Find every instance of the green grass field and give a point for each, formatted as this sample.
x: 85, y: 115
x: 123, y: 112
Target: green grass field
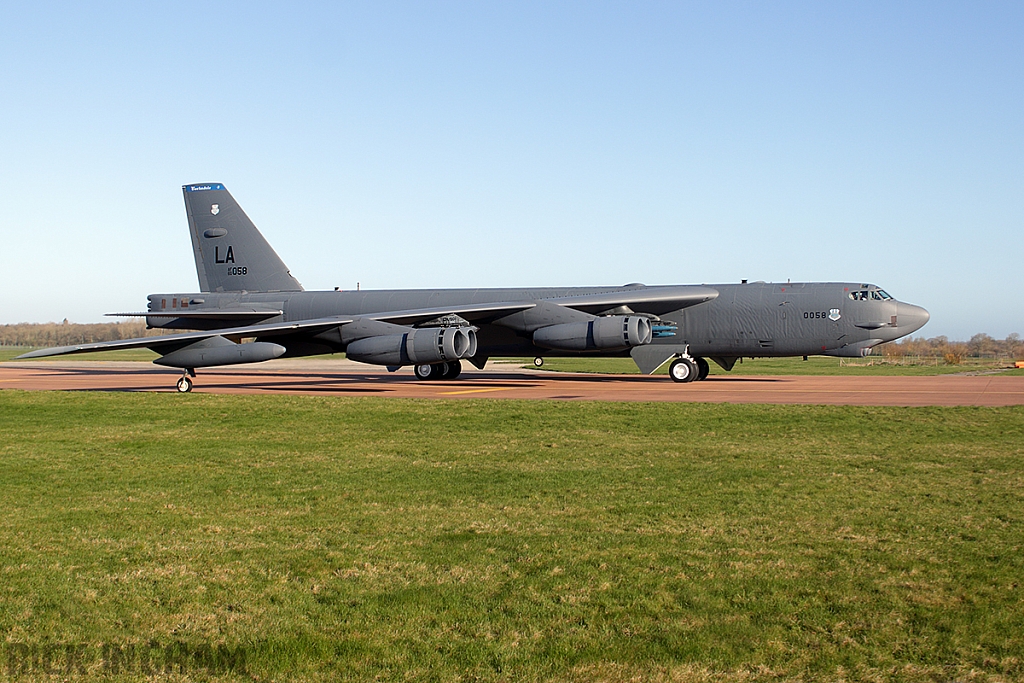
x: 366, y: 539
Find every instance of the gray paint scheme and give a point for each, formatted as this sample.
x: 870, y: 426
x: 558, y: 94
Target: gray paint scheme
x: 248, y: 292
x: 219, y: 229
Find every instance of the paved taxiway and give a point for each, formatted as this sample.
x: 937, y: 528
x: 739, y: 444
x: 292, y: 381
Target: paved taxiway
x: 346, y: 378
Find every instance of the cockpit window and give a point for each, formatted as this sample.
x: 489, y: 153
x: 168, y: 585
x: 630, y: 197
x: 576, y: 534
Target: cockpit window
x: 870, y: 294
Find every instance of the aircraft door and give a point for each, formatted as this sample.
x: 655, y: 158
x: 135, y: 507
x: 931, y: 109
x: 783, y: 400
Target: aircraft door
x: 782, y: 313
x: 787, y: 329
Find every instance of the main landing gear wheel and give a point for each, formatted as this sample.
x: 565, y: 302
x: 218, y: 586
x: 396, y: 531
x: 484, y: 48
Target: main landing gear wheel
x: 184, y: 385
x: 702, y: 369
x: 452, y: 369
x: 449, y: 370
x: 538, y: 361
x: 683, y: 370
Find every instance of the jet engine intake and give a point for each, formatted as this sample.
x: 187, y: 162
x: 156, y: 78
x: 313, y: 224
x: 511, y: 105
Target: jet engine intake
x: 425, y: 345
x: 605, y: 333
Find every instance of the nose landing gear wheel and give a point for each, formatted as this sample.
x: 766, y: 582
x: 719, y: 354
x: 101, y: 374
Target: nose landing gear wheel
x: 683, y: 370
x: 538, y: 361
x: 184, y: 385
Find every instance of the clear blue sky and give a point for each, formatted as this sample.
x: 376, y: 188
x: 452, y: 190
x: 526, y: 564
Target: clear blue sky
x: 492, y: 144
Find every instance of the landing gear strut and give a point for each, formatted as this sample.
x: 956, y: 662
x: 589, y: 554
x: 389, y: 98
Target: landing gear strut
x: 185, y: 383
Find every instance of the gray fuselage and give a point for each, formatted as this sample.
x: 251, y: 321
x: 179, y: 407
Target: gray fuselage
x: 755, y: 319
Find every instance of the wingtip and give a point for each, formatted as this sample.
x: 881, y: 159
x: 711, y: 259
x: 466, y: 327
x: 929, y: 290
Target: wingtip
x: 43, y: 353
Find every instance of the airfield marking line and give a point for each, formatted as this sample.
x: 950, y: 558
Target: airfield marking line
x: 476, y: 391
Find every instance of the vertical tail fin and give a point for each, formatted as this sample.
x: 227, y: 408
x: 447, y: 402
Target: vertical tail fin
x: 231, y: 254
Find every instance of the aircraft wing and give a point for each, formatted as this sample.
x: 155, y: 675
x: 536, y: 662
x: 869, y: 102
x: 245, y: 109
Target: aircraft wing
x: 640, y: 298
x: 169, y: 342
x: 472, y: 313
x: 653, y: 300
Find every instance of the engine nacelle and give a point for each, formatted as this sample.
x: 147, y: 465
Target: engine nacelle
x: 427, y: 345
x: 605, y: 333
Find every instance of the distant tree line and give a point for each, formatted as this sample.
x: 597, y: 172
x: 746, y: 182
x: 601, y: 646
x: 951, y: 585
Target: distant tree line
x: 66, y: 334
x: 979, y: 346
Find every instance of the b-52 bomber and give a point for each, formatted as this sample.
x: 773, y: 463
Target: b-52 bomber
x: 251, y: 309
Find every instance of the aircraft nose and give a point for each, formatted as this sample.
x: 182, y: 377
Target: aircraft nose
x: 910, y: 318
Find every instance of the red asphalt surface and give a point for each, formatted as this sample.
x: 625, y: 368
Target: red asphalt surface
x: 345, y: 378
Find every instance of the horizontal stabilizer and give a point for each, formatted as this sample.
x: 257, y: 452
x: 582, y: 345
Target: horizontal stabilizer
x: 214, y: 314
x: 199, y: 319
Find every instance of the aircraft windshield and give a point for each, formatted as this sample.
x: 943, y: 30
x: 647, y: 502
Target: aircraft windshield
x: 870, y: 294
